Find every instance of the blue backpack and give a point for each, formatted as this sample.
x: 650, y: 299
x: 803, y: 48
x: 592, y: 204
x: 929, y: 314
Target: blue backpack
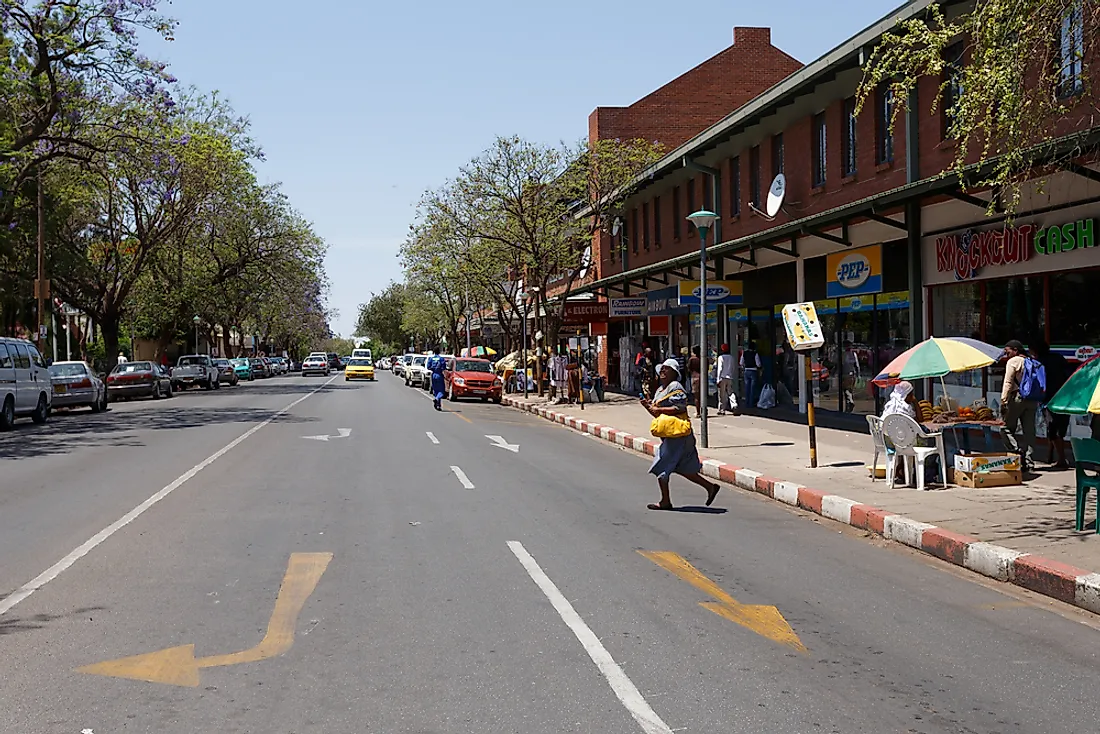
x: 1033, y: 381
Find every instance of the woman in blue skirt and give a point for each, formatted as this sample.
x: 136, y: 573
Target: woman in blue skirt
x: 675, y: 455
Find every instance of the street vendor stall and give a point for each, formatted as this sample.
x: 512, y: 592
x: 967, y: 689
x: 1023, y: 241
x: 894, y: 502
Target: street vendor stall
x: 934, y: 358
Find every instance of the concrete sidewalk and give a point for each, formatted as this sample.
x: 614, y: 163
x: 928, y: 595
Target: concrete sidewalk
x: 1033, y: 522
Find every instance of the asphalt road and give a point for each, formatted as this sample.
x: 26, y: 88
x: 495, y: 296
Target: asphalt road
x: 471, y: 588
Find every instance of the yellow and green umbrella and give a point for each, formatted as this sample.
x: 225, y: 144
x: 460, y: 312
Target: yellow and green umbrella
x: 938, y: 356
x: 1081, y: 393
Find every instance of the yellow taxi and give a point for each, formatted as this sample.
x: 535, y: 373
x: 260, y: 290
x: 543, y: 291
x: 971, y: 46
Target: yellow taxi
x: 359, y: 368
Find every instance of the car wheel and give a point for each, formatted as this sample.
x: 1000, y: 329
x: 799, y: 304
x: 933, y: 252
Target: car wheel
x: 41, y: 411
x: 98, y: 404
x: 217, y: 384
x: 156, y: 393
x: 7, y: 415
x: 485, y: 400
x: 208, y: 385
x: 452, y: 397
x: 497, y: 400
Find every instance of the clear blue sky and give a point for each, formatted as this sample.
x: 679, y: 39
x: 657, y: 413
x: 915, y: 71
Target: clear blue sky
x: 362, y: 105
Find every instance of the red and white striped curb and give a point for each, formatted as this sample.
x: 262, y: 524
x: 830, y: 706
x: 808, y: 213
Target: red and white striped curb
x: 1052, y: 578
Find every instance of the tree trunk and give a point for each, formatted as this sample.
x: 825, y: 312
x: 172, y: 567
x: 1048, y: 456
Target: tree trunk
x: 109, y: 328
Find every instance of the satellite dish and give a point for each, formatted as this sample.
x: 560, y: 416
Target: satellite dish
x: 616, y: 226
x: 775, y: 194
x: 586, y: 261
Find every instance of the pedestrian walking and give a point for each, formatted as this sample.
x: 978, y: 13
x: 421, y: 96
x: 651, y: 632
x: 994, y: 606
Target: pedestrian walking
x: 435, y: 365
x: 750, y: 367
x: 1057, y: 372
x: 695, y: 367
x: 121, y: 358
x: 724, y: 376
x: 1020, y: 396
x: 677, y: 453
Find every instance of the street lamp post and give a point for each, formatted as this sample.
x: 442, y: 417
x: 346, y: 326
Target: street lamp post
x: 523, y: 365
x: 538, y: 354
x: 703, y: 221
x: 196, y: 321
x: 468, y: 320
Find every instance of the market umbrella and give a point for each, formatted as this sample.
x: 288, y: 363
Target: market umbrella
x: 938, y: 356
x: 1081, y: 393
x: 478, y: 351
x: 512, y: 360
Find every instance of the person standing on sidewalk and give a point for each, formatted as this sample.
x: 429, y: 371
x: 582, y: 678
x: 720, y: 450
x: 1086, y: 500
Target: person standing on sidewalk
x: 724, y: 376
x: 695, y: 368
x: 1019, y: 402
x: 675, y: 455
x: 1057, y: 372
x: 750, y: 368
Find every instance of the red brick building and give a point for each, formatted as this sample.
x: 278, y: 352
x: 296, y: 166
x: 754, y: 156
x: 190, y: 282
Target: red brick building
x: 854, y: 187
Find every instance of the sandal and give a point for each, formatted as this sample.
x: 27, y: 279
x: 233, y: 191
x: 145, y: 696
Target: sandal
x: 659, y: 506
x: 712, y: 492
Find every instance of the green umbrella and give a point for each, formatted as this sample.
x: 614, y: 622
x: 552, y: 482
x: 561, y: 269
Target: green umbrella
x: 1081, y: 393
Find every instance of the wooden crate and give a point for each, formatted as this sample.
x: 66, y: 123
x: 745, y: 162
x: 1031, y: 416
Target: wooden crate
x: 984, y: 480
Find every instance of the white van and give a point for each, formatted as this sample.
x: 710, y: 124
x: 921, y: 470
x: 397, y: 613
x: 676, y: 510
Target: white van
x: 26, y: 388
x: 361, y: 354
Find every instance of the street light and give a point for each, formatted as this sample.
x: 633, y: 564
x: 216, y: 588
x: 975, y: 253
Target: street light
x: 538, y: 335
x: 523, y: 367
x: 703, y: 221
x: 196, y: 321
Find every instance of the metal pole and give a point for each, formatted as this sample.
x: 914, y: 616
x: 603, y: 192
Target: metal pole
x: 53, y: 333
x: 68, y: 337
x: 810, y: 411
x: 40, y: 290
x: 523, y: 367
x: 703, y: 397
x: 467, y: 319
x: 196, y: 337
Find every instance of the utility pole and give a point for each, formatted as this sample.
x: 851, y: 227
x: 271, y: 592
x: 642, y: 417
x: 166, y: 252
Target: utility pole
x: 41, y: 286
x: 468, y: 320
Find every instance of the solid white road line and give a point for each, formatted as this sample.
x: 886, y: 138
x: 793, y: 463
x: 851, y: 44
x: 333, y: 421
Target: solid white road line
x: 85, y: 548
x: 623, y: 687
x: 431, y: 437
x: 462, y: 477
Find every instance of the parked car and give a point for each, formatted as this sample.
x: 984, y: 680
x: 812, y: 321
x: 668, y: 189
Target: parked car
x: 260, y: 368
x: 359, y: 368
x: 195, y: 369
x: 279, y: 365
x: 242, y: 366
x: 401, y: 363
x: 316, y: 365
x: 415, y: 371
x: 26, y: 388
x: 472, y: 378
x: 76, y: 385
x: 426, y: 382
x: 140, y: 379
x: 334, y: 362
x: 227, y: 373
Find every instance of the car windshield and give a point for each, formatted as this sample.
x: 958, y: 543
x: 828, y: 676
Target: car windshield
x: 221, y: 362
x: 67, y: 370
x: 133, y: 367
x: 184, y: 361
x: 239, y: 362
x: 419, y: 361
x: 359, y: 362
x: 472, y: 365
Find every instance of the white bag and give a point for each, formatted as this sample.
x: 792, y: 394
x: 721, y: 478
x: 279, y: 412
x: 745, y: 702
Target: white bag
x: 767, y: 398
x: 733, y: 402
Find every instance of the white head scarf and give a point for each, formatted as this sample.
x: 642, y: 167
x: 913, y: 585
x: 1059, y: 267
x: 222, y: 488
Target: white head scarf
x: 897, y: 402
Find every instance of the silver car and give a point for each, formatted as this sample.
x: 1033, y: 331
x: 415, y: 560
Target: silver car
x: 76, y: 385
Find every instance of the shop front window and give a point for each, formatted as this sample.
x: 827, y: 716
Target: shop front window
x: 826, y: 361
x: 892, y: 334
x: 1014, y: 310
x: 1074, y: 318
x: 855, y: 326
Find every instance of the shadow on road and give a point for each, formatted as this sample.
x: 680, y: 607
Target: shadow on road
x: 67, y: 431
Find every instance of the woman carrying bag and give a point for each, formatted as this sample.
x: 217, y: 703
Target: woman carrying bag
x: 677, y: 453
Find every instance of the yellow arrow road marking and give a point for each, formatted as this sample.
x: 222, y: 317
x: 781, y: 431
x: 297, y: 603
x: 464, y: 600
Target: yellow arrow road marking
x: 178, y: 666
x: 764, y: 620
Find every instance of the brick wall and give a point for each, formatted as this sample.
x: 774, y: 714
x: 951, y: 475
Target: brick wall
x: 700, y: 97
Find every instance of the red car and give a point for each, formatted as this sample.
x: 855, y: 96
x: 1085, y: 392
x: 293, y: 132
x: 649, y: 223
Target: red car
x: 472, y: 378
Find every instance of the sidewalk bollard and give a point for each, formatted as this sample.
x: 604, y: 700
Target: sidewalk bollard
x: 810, y: 411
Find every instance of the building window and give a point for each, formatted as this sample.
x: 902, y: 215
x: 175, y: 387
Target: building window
x: 676, y: 213
x: 754, y: 175
x: 1071, y: 51
x: 735, y: 186
x: 634, y: 230
x: 884, y: 131
x: 819, y: 149
x: 645, y: 225
x: 777, y: 155
x: 848, y: 141
x: 657, y: 221
x: 952, y: 84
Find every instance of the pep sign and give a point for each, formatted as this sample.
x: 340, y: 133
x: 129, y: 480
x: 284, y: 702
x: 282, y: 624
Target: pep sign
x: 719, y: 293
x: 854, y: 272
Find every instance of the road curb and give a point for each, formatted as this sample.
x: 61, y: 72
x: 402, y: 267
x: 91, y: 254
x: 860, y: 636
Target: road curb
x: 1051, y: 578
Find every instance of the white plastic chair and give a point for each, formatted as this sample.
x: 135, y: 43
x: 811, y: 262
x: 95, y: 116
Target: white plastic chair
x: 903, y: 432
x: 875, y: 425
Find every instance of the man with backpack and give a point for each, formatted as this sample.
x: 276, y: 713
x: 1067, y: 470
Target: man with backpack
x: 1023, y: 390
